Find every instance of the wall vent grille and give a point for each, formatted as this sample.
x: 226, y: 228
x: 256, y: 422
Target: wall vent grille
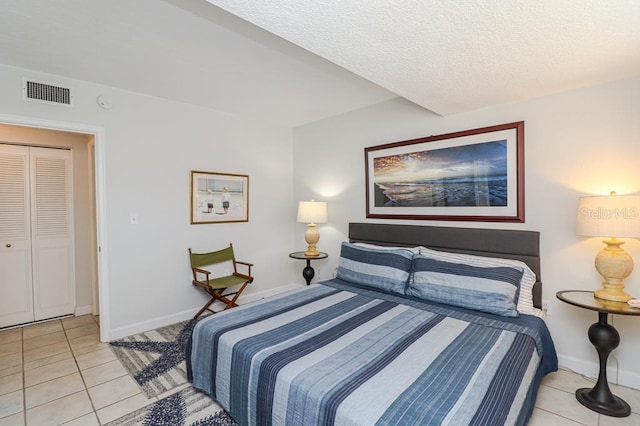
x: 38, y: 91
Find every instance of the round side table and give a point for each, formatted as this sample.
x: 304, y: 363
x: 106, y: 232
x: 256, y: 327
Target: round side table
x: 605, y: 339
x: 308, y: 273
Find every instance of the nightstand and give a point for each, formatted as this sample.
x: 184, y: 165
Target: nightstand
x: 308, y: 272
x: 605, y: 339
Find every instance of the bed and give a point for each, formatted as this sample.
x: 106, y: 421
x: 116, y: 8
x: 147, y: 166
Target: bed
x: 422, y: 325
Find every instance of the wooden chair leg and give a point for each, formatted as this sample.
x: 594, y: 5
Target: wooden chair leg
x: 213, y: 299
x: 229, y: 303
x: 232, y: 303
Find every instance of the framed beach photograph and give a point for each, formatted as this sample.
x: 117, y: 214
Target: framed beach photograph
x: 472, y: 175
x: 219, y: 197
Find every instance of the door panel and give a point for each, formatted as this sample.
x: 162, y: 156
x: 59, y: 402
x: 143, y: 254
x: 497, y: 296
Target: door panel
x: 16, y: 297
x: 16, y: 304
x: 51, y: 271
x: 52, y: 233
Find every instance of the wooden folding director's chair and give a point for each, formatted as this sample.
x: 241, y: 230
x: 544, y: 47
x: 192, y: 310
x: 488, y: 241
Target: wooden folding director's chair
x: 217, y: 286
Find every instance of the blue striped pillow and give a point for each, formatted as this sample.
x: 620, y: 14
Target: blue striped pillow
x: 492, y: 289
x: 382, y: 269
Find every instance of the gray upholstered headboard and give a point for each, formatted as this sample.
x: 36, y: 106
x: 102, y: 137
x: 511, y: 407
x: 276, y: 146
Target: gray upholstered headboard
x: 510, y: 244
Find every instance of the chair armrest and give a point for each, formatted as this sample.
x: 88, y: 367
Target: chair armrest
x: 249, y: 278
x: 201, y: 271
x: 248, y: 265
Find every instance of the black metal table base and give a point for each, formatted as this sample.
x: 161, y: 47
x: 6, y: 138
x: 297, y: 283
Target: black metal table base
x: 600, y: 399
x: 308, y: 273
x: 614, y: 407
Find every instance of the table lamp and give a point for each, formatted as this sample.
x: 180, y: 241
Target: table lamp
x: 312, y: 212
x: 611, y: 216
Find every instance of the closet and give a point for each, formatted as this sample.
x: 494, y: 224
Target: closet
x: 37, y: 274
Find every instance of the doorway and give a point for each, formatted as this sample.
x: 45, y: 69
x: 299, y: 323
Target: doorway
x: 86, y: 142
x: 36, y: 233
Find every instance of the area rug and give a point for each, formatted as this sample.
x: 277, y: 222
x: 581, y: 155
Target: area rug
x: 156, y: 358
x: 185, y: 408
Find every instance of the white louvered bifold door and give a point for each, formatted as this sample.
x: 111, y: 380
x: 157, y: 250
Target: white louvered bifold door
x: 52, y: 233
x: 16, y: 297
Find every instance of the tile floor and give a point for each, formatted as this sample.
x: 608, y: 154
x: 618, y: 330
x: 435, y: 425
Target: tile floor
x: 58, y: 373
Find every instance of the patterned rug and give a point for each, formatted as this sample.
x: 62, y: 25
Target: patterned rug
x: 156, y: 360
x: 187, y: 407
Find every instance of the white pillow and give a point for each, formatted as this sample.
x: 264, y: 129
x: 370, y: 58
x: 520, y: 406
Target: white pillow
x: 414, y: 250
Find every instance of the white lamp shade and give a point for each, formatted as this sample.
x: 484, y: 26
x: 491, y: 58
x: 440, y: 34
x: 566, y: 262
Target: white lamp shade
x: 312, y: 212
x: 609, y: 216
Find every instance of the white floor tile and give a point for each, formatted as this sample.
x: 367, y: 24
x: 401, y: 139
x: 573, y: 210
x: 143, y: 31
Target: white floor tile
x: 93, y: 359
x: 565, y: 405
x: 8, y: 336
x: 48, y: 360
x: 73, y: 322
x: 10, y: 348
x: 84, y: 330
x: 83, y: 341
x: 11, y: 403
x: 545, y: 418
x: 46, y: 351
x: 49, y: 372
x: 13, y: 420
x: 113, y: 391
x: 94, y: 347
x: 103, y: 373
x: 11, y: 383
x: 632, y: 420
x: 41, y: 329
x: 53, y: 389
x: 11, y: 360
x: 88, y: 420
x: 567, y: 381
x: 47, y: 339
x: 9, y: 371
x: 631, y: 396
x: 61, y: 410
x: 123, y: 407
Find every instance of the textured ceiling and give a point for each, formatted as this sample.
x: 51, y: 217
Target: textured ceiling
x: 295, y: 62
x: 455, y: 56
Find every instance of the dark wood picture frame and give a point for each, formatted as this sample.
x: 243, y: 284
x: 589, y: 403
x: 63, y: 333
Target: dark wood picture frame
x: 471, y: 175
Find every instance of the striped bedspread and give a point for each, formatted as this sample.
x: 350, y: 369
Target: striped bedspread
x: 336, y: 354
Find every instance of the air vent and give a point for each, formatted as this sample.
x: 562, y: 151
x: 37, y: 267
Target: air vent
x: 38, y: 91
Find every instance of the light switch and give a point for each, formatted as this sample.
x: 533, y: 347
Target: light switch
x: 134, y: 218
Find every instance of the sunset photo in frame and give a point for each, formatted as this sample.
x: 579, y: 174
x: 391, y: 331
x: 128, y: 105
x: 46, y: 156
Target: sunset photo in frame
x: 219, y: 197
x: 472, y: 175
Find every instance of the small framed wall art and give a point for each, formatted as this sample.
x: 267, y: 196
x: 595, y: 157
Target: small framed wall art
x: 472, y: 175
x: 219, y: 197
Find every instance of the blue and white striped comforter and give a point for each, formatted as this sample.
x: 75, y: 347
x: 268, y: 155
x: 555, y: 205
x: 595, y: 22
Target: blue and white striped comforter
x: 335, y: 354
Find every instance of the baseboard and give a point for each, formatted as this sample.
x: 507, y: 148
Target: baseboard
x: 140, y: 327
x: 83, y: 310
x: 590, y: 369
x: 628, y: 379
x: 254, y: 297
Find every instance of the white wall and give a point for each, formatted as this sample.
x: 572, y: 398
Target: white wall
x: 151, y: 145
x: 578, y: 143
